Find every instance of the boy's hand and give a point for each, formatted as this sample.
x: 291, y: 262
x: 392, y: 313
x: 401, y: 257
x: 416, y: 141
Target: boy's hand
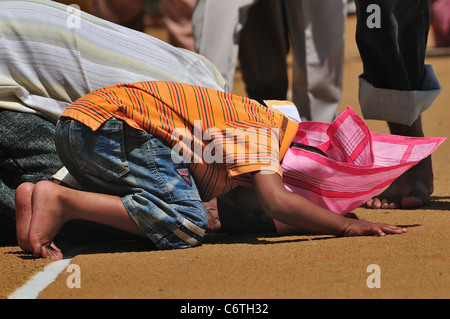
x: 360, y: 227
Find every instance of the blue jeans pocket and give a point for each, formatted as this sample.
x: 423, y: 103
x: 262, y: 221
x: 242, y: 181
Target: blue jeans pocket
x: 101, y: 153
x: 175, y: 182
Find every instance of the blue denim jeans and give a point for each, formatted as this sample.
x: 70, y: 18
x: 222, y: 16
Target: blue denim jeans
x: 160, y: 195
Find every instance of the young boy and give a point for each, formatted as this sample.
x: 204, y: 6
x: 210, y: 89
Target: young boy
x: 147, y: 154
x: 52, y: 55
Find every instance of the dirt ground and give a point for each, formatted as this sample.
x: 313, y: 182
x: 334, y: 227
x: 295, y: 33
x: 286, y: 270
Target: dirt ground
x: 412, y: 265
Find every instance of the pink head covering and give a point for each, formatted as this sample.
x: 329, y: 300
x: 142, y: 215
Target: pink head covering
x: 358, y: 165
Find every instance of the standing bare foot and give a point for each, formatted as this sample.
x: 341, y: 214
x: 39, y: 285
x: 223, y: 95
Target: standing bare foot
x: 410, y: 190
x: 46, y: 220
x: 414, y: 187
x: 23, y: 214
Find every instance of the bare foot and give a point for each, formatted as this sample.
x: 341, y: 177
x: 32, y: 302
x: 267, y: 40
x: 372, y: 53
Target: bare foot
x: 23, y: 214
x: 46, y: 220
x: 214, y: 224
x: 414, y: 187
x: 410, y: 190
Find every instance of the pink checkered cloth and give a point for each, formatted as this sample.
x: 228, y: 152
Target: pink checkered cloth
x: 358, y: 165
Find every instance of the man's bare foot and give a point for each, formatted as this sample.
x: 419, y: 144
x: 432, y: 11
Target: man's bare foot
x: 414, y: 187
x: 410, y: 190
x: 23, y: 214
x: 46, y: 220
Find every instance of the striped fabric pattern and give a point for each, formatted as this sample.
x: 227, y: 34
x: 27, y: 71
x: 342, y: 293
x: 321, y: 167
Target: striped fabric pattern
x: 222, y: 137
x: 359, y: 163
x: 52, y: 54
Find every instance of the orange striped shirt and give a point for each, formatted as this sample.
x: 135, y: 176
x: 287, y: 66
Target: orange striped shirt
x: 222, y: 137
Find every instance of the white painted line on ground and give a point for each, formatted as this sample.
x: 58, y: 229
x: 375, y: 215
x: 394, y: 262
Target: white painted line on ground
x: 33, y: 287
x: 37, y: 283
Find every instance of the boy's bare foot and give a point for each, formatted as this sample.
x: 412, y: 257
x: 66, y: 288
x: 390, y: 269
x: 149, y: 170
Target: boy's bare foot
x: 46, y: 220
x: 23, y: 214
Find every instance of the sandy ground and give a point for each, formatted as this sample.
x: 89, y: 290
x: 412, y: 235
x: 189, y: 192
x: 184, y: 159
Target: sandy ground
x: 412, y: 265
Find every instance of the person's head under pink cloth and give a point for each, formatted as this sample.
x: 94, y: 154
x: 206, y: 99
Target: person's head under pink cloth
x: 341, y: 165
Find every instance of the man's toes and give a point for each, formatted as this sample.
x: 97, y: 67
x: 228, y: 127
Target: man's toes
x: 413, y: 202
x: 376, y: 203
x: 393, y: 206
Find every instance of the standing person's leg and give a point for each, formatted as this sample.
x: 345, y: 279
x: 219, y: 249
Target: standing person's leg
x: 217, y: 25
x: 440, y: 22
x: 177, y: 17
x: 317, y: 54
x: 397, y: 86
x: 317, y: 30
x: 263, y: 46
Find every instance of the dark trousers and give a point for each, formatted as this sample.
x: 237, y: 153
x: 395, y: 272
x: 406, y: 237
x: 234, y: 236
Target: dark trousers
x: 393, y: 55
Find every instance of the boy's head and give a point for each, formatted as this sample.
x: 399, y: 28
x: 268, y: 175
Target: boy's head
x: 308, y: 148
x: 357, y: 165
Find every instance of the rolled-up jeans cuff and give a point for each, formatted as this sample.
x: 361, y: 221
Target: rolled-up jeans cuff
x: 397, y: 106
x: 64, y: 176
